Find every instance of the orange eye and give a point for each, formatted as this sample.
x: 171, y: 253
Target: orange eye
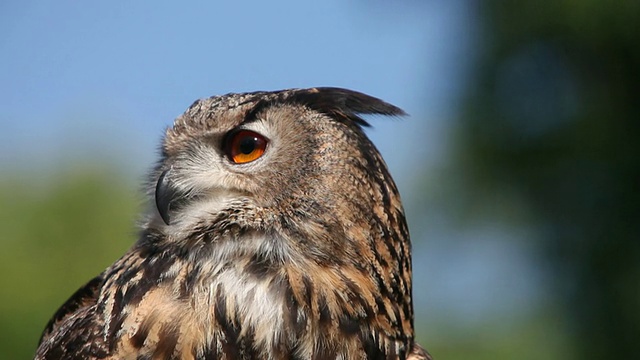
x: 245, y: 146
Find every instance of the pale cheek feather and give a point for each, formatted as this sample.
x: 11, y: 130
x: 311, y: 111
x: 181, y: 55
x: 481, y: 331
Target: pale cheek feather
x: 196, y: 212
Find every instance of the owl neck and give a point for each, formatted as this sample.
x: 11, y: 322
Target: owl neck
x: 275, y: 293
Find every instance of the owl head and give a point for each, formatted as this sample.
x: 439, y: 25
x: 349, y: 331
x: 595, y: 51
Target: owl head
x: 286, y: 156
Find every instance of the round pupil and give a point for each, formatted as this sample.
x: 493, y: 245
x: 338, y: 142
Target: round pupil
x: 248, y: 144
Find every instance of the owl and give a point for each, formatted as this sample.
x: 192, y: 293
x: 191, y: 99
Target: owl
x: 274, y: 231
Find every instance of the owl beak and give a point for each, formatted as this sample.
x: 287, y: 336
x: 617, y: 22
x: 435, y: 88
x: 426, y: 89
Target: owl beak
x: 166, y: 194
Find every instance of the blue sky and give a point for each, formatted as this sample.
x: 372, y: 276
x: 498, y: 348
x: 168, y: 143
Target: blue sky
x: 88, y: 81
x: 107, y: 77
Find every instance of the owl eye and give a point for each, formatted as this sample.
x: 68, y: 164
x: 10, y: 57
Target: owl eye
x: 245, y: 146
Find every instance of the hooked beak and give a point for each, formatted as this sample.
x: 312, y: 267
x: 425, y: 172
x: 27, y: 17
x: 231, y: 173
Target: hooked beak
x: 168, y: 197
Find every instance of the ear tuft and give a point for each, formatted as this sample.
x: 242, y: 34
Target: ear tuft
x: 342, y: 102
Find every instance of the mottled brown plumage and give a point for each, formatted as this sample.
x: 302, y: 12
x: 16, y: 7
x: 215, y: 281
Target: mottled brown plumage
x: 302, y: 252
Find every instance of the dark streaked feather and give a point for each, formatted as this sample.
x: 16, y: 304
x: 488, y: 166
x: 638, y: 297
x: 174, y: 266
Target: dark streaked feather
x: 83, y: 297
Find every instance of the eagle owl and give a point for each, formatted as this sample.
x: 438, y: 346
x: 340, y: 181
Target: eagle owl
x: 276, y: 232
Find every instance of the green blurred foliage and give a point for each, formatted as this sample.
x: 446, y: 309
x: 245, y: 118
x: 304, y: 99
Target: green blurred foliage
x: 552, y: 123
x: 496, y: 339
x: 57, y: 233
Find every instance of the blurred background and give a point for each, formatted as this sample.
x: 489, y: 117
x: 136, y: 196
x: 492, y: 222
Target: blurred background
x: 518, y: 165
